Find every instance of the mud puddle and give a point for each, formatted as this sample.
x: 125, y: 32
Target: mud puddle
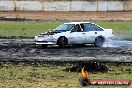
x: 113, y: 50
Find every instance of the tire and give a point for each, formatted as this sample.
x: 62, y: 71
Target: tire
x: 44, y: 46
x: 99, y: 41
x: 62, y: 41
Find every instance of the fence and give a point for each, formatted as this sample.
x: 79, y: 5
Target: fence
x: 66, y: 5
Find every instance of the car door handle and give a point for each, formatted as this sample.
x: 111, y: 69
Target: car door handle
x: 83, y: 33
x: 95, y: 32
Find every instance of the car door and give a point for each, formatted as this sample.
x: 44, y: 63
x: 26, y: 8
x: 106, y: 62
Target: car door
x: 77, y: 37
x: 90, y: 32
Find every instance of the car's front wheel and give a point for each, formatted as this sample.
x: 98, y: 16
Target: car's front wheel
x: 62, y: 41
x: 99, y: 41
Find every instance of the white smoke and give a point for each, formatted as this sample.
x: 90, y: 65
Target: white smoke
x: 118, y: 42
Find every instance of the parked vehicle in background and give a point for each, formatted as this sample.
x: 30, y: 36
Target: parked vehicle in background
x: 75, y: 33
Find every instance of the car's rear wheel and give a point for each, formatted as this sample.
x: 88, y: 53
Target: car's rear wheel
x: 62, y: 41
x: 99, y: 41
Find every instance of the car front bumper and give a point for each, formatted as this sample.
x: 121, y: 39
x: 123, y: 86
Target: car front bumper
x: 45, y: 43
x: 44, y: 40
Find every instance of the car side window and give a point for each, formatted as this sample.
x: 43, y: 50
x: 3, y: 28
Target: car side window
x: 73, y: 29
x: 88, y: 27
x: 91, y: 27
x: 97, y: 28
x: 78, y: 28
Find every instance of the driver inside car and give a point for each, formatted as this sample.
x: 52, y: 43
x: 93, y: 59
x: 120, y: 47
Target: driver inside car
x: 79, y: 28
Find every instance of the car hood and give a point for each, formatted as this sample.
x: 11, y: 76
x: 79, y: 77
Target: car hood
x: 48, y: 33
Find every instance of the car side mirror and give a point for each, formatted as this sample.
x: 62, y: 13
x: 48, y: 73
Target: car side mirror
x: 72, y: 30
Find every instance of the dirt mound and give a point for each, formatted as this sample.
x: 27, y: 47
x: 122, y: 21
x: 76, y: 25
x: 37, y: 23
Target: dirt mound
x: 13, y: 19
x: 71, y: 16
x: 90, y: 66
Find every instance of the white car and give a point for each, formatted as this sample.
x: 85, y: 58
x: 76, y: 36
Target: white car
x: 75, y: 33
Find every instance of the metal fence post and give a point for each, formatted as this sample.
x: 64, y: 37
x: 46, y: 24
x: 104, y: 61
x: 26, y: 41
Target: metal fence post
x: 14, y: 5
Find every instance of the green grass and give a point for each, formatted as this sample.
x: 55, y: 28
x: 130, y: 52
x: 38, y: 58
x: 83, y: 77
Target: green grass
x: 119, y: 28
x: 47, y: 76
x: 32, y: 28
x: 28, y: 28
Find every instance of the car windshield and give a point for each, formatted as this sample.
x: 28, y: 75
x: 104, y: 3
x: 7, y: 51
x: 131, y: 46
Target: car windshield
x: 64, y: 27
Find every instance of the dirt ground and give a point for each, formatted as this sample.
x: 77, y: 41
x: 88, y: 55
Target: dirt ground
x: 17, y: 49
x: 71, y: 16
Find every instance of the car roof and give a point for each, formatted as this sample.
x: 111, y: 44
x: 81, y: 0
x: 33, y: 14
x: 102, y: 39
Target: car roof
x: 82, y: 23
x: 76, y: 22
